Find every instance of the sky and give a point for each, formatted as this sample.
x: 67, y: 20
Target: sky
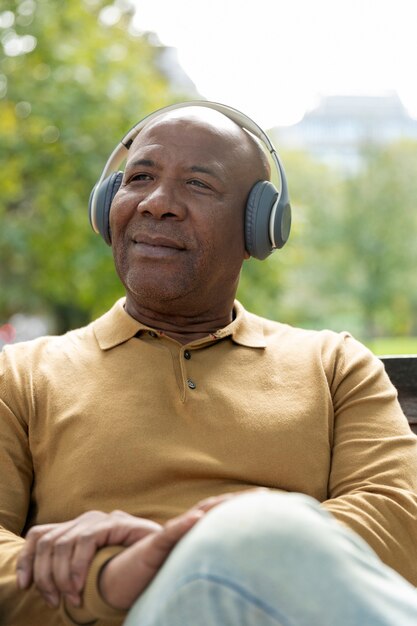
x: 274, y: 59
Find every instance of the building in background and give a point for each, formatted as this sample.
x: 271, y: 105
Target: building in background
x: 179, y: 81
x: 340, y: 126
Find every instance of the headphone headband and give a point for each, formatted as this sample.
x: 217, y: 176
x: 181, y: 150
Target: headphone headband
x: 279, y: 215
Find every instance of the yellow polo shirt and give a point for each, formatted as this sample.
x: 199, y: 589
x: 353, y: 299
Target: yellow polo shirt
x: 119, y: 416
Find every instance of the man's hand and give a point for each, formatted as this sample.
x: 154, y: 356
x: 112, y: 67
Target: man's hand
x: 126, y: 575
x: 56, y: 557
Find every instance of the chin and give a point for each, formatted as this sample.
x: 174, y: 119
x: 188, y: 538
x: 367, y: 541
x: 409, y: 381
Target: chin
x: 152, y: 293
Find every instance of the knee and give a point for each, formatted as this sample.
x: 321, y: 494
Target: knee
x: 273, y: 515
x: 264, y: 545
x: 262, y: 528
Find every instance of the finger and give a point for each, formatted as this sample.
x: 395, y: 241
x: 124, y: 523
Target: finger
x: 127, y: 529
x: 125, y: 576
x: 159, y: 545
x: 118, y: 528
x: 81, y: 539
x: 25, y: 560
x: 53, y: 555
x: 43, y: 575
x: 60, y: 566
x: 85, y: 543
x: 209, y: 503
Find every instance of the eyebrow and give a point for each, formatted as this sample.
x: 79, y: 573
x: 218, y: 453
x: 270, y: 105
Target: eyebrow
x: 202, y: 169
x: 205, y: 170
x: 142, y: 163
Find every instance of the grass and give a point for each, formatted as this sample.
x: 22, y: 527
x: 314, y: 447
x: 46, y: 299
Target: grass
x: 392, y: 345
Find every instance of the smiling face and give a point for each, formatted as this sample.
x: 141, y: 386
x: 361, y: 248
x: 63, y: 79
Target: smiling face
x: 177, y: 221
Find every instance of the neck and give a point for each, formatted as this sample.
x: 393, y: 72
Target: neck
x: 182, y: 327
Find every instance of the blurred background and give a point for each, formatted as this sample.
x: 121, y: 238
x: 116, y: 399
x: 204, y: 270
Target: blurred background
x: 333, y: 83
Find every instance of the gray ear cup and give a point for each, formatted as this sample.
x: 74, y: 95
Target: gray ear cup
x: 282, y: 223
x: 260, y: 202
x: 105, y: 195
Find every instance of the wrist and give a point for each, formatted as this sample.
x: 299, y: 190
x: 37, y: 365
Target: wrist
x: 94, y: 606
x: 108, y: 583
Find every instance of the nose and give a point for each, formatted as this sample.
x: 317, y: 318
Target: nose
x: 162, y: 202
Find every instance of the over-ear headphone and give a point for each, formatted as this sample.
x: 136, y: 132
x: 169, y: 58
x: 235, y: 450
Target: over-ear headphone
x: 268, y: 211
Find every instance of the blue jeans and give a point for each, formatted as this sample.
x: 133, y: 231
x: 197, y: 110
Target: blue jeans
x: 272, y: 559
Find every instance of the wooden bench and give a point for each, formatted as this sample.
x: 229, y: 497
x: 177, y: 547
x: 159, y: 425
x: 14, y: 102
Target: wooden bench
x: 402, y: 371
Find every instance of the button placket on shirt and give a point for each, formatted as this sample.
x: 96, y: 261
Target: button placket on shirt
x: 186, y: 354
x: 190, y: 382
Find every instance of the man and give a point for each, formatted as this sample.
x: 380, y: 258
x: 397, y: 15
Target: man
x: 182, y: 461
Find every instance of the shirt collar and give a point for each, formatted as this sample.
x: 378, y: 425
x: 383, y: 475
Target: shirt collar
x: 246, y: 329
x: 117, y: 326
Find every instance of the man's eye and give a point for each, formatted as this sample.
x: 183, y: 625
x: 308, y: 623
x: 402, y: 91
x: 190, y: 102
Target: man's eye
x: 198, y: 183
x: 141, y: 177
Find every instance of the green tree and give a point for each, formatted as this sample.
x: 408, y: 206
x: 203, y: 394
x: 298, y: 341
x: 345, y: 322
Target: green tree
x: 74, y: 77
x: 380, y: 226
x: 350, y: 262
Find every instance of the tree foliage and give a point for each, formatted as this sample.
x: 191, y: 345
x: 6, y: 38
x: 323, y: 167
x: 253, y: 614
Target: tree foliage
x: 351, y: 260
x: 74, y: 78
x: 380, y: 232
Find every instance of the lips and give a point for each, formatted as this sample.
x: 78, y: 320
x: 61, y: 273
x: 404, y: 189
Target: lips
x: 158, y: 241
x: 156, y: 247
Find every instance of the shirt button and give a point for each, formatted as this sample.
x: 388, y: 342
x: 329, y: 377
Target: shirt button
x: 187, y: 355
x: 191, y: 384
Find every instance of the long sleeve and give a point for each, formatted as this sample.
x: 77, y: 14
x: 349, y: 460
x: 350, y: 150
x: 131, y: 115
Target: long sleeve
x: 373, y: 477
x: 22, y: 502
x: 16, y: 607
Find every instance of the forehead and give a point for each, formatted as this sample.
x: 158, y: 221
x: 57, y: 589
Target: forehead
x: 197, y: 116
x: 192, y: 132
